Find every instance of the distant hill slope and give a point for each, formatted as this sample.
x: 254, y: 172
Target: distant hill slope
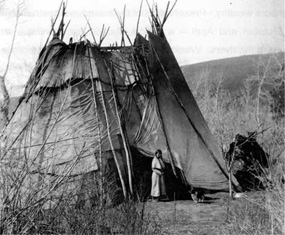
x: 235, y: 70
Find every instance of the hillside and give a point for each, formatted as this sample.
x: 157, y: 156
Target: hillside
x: 235, y: 70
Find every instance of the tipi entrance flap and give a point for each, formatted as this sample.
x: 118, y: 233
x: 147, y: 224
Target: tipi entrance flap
x: 177, y: 105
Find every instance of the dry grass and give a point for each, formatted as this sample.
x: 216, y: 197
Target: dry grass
x: 258, y: 213
x: 125, y: 218
x: 227, y: 115
x: 87, y: 213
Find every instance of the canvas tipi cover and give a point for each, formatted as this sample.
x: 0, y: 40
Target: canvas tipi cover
x: 85, y: 107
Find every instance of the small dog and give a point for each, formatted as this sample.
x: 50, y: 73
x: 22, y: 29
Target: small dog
x: 197, y: 196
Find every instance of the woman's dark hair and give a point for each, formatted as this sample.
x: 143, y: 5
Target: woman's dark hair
x: 158, y: 152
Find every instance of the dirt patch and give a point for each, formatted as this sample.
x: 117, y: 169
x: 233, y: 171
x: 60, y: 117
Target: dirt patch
x: 187, y: 217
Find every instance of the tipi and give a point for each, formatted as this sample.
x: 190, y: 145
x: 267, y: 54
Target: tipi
x: 86, y: 106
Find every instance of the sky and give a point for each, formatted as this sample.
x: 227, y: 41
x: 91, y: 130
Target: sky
x: 197, y: 30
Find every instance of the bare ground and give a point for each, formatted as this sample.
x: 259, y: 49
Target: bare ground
x: 187, y: 217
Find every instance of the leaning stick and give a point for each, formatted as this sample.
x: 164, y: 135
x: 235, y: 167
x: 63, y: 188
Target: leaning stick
x: 111, y: 143
x: 66, y: 28
x: 165, y: 14
x: 110, y: 138
x: 52, y: 29
x: 99, y: 131
x: 168, y: 13
x: 137, y: 29
x: 103, y: 34
x: 126, y: 147
x: 91, y: 30
x: 122, y: 29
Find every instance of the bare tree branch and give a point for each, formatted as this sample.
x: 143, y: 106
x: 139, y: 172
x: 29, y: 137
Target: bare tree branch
x: 4, y: 109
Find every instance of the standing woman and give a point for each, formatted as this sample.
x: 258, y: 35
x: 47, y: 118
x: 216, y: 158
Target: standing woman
x: 157, y: 178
